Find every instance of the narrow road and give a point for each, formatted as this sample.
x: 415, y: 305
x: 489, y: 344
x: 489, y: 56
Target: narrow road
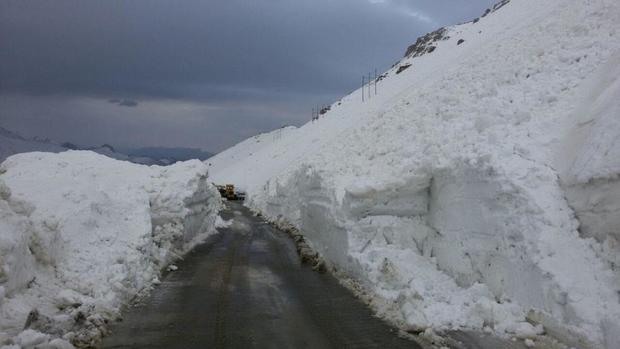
x: 245, y: 288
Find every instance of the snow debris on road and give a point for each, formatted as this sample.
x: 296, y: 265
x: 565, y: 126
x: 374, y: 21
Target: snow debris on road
x: 479, y: 189
x: 221, y: 223
x: 82, y: 234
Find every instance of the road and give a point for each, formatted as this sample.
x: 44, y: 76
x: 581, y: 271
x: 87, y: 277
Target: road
x: 245, y: 288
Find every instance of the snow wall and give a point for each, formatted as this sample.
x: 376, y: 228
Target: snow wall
x: 478, y: 188
x: 82, y: 234
x: 589, y: 160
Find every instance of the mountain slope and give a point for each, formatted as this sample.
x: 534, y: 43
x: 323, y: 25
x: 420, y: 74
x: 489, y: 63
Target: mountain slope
x: 12, y: 143
x: 444, y: 195
x: 173, y: 154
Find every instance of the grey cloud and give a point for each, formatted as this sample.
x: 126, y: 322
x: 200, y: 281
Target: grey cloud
x: 124, y: 102
x: 162, y: 48
x: 441, y: 13
x: 128, y: 103
x: 276, y: 56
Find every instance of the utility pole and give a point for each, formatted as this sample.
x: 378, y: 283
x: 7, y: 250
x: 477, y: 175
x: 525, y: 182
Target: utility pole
x: 363, y: 78
x: 375, y: 81
x: 369, y: 77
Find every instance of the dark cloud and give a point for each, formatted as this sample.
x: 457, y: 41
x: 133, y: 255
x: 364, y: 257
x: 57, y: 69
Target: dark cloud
x: 124, y: 102
x: 165, y: 48
x: 277, y: 56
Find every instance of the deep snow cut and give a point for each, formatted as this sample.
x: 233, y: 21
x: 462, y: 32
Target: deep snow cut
x: 82, y: 234
x: 479, y: 188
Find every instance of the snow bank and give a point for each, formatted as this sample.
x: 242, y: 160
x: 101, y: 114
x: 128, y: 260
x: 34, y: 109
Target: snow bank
x: 589, y: 160
x: 442, y: 194
x: 81, y: 234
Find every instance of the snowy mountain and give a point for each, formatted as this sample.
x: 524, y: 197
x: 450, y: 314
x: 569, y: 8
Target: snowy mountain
x: 13, y: 143
x: 479, y: 188
x: 172, y: 154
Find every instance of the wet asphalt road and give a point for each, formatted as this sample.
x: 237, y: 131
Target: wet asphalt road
x: 245, y: 288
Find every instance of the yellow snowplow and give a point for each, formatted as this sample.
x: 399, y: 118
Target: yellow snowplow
x: 228, y: 191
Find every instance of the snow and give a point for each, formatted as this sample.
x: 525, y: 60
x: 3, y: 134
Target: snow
x: 30, y: 338
x: 221, y: 223
x: 589, y: 159
x: 82, y: 234
x: 465, y: 195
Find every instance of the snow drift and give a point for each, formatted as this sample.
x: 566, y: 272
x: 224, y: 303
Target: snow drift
x: 465, y: 194
x: 81, y: 234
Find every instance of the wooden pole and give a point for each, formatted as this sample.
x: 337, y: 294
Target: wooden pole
x: 375, y: 81
x: 363, y: 78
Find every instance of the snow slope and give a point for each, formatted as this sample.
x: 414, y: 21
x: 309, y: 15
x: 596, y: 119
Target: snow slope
x: 465, y: 193
x: 81, y: 234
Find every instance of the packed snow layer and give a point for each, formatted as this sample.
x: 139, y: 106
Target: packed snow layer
x: 451, y: 195
x: 81, y: 234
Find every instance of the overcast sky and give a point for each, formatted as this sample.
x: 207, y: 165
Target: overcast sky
x: 191, y: 73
